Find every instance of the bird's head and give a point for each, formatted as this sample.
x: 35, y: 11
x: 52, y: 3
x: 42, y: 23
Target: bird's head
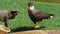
x: 31, y: 6
x: 13, y: 13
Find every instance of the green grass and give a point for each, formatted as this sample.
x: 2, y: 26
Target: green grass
x: 53, y: 1
x: 23, y: 20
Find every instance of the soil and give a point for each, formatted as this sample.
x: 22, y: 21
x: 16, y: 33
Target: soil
x: 39, y: 32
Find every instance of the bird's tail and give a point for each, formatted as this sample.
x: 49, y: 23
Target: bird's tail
x: 51, y: 15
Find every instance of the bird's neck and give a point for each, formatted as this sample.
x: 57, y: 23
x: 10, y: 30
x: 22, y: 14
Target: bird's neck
x: 31, y: 8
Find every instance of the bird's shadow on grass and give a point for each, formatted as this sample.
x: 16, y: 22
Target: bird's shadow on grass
x: 25, y: 28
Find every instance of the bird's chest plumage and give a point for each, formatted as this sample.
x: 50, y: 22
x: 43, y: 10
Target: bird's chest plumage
x: 32, y: 16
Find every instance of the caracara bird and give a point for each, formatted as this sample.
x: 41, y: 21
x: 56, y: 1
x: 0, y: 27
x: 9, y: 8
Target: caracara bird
x: 6, y: 15
x: 37, y: 15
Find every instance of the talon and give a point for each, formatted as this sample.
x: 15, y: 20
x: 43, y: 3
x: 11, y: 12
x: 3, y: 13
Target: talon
x: 37, y: 27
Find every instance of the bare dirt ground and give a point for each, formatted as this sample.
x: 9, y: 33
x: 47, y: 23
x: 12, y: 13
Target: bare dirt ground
x: 39, y: 32
x: 5, y: 30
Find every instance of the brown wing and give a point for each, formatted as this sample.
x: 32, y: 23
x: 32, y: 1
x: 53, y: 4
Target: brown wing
x: 40, y: 14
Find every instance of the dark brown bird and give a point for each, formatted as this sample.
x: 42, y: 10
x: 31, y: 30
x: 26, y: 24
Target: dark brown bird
x: 37, y: 15
x: 6, y: 15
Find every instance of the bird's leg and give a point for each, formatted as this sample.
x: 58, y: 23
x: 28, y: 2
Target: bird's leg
x: 37, y: 25
x: 5, y: 20
x: 6, y: 24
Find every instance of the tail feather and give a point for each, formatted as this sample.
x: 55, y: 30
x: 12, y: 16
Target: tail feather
x: 51, y: 15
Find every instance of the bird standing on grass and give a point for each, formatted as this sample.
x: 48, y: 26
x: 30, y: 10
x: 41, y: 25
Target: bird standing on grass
x: 37, y: 15
x: 6, y: 15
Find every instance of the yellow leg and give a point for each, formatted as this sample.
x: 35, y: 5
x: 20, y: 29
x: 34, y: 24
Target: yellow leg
x: 37, y: 25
